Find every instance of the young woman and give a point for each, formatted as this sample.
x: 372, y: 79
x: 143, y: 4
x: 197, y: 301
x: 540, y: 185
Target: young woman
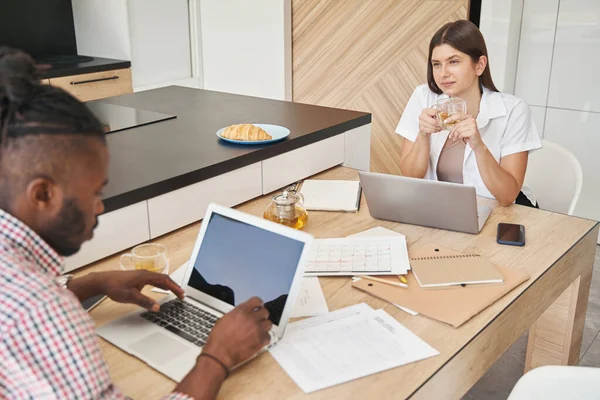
x: 488, y: 146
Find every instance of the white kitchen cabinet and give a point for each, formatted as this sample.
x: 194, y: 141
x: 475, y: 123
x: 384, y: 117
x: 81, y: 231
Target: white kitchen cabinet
x: 535, y: 50
x: 574, y: 80
x: 578, y: 131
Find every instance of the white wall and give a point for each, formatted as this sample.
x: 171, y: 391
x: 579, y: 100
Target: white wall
x: 235, y: 46
x: 574, y: 81
x: 160, y: 41
x: 246, y: 47
x: 155, y: 35
x: 500, y: 25
x: 535, y: 56
x: 557, y: 75
x: 102, y: 28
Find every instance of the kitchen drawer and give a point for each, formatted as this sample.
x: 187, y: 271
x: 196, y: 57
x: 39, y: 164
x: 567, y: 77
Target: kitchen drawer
x: 183, y: 206
x: 117, y: 230
x: 96, y: 85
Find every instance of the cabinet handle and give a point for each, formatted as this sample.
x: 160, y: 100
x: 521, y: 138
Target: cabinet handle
x: 111, y: 78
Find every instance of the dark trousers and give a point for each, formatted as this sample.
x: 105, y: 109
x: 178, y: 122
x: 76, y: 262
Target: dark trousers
x: 524, y: 201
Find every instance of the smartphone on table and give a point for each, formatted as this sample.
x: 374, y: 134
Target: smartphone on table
x: 511, y: 234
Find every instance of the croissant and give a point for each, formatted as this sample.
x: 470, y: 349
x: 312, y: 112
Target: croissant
x: 246, y: 132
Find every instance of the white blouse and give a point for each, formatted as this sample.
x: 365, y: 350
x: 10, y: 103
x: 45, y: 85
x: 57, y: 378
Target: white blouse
x: 505, y: 124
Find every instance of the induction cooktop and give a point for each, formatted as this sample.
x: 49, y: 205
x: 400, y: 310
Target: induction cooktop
x: 118, y: 118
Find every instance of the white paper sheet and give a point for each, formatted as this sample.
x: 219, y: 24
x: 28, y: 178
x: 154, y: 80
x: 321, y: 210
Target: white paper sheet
x: 336, y: 315
x: 379, y: 232
x: 386, y: 255
x: 347, y: 348
x: 311, y: 300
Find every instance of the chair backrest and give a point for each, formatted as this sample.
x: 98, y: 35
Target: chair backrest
x: 555, y: 177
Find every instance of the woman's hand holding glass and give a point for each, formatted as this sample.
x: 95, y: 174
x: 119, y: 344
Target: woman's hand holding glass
x: 465, y: 128
x: 428, y: 122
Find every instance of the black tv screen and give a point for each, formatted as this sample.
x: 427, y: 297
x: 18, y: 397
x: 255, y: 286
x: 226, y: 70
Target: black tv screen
x: 42, y: 28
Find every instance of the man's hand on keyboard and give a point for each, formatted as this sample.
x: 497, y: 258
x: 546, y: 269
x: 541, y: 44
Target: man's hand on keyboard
x: 240, y: 334
x: 124, y: 286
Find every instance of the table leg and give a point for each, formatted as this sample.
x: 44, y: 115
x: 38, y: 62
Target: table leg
x: 555, y: 338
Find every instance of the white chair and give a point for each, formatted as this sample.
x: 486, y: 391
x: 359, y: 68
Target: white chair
x: 554, y: 175
x: 555, y: 382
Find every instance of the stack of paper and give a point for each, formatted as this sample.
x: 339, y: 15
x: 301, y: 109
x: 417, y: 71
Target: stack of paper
x: 358, y: 256
x: 331, y: 195
x: 344, y: 345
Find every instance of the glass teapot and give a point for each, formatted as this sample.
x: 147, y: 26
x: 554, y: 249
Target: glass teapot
x: 287, y: 209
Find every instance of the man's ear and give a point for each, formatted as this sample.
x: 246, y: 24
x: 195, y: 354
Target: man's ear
x: 43, y: 194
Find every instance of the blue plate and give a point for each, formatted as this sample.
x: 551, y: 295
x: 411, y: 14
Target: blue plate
x: 277, y: 133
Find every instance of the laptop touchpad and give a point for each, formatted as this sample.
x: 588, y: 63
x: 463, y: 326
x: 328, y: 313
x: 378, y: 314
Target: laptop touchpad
x: 159, y: 348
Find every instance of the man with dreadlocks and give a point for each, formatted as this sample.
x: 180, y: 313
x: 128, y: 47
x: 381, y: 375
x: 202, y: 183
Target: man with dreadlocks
x: 53, y: 167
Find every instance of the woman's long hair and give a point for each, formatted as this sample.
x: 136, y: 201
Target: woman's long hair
x: 465, y: 37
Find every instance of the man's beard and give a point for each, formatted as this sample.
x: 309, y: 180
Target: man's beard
x: 67, y: 233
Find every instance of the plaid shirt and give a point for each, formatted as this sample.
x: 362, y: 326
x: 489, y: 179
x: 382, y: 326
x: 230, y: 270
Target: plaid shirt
x: 49, y: 348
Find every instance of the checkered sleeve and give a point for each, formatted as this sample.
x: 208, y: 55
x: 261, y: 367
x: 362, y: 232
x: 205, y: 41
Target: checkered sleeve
x: 52, y: 352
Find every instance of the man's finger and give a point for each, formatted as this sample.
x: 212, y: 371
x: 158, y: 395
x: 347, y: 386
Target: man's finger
x: 261, y: 314
x: 252, y: 304
x: 266, y: 325
x: 163, y: 281
x: 144, y: 301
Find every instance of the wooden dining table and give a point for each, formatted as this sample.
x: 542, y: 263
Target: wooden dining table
x: 551, y: 304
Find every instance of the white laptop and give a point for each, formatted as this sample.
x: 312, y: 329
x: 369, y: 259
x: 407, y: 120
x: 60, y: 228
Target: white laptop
x: 443, y: 205
x: 236, y: 256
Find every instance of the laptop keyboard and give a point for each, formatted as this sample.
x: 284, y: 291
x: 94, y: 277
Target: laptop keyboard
x: 183, y: 319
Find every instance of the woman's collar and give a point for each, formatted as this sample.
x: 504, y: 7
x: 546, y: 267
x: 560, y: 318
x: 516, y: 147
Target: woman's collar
x: 490, y: 107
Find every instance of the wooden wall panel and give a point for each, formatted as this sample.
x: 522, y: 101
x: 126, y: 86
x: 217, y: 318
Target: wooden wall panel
x: 366, y: 55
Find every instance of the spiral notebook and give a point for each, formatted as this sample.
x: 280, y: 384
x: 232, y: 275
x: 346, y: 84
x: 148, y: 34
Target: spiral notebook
x: 435, y: 266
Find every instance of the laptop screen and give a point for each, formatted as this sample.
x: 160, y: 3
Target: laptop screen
x: 237, y: 261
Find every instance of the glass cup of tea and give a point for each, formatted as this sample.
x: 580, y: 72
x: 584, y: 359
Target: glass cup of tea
x: 152, y: 257
x: 448, y: 106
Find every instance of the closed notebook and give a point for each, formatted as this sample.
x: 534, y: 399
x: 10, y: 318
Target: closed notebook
x: 453, y: 305
x: 324, y: 195
x: 435, y: 266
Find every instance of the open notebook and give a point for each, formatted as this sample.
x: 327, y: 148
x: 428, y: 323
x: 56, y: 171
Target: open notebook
x: 323, y: 195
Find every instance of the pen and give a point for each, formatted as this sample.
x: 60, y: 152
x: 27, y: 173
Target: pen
x: 381, y: 280
x: 403, y: 279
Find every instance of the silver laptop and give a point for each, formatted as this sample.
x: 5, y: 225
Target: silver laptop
x: 423, y: 202
x: 236, y: 256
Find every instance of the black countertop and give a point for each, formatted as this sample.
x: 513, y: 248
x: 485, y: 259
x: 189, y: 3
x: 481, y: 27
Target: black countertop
x: 98, y: 64
x: 154, y: 159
